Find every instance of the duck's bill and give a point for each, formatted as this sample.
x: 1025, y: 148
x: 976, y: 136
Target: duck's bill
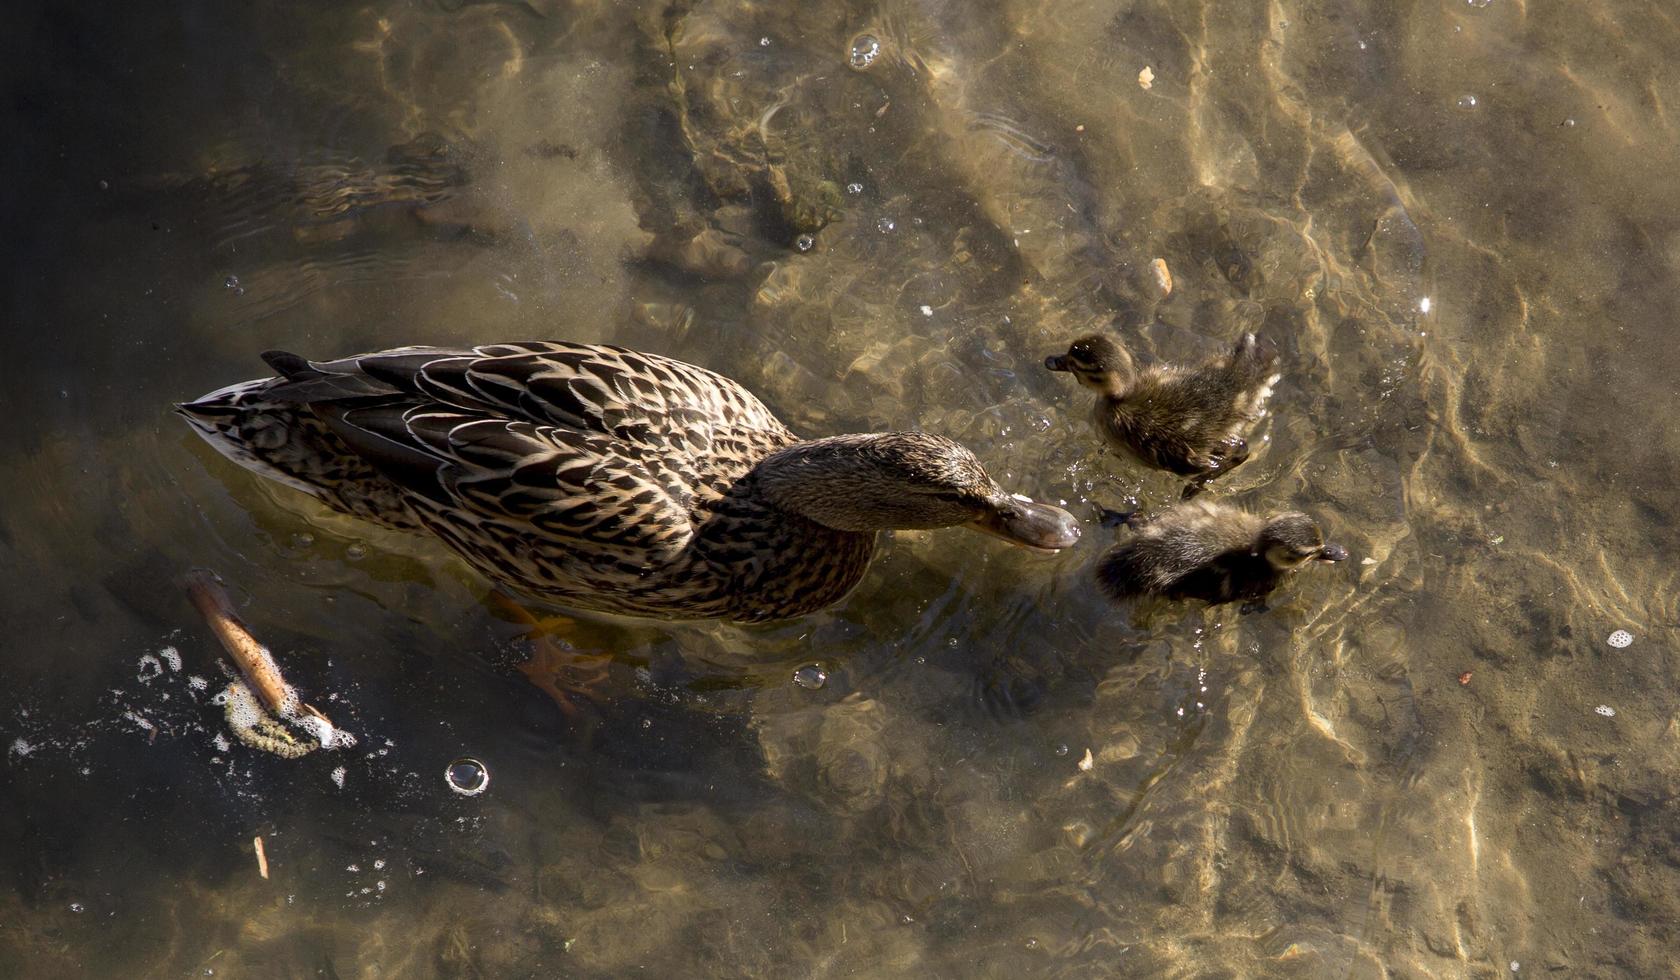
x: 1029, y: 524
x: 1332, y: 553
x: 1057, y: 362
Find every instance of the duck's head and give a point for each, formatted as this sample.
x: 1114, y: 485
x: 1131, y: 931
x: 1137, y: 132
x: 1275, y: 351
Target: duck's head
x: 906, y: 480
x: 1291, y: 540
x: 1097, y: 362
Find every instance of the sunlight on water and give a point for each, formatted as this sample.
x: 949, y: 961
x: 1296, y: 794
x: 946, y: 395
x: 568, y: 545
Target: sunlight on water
x: 1453, y: 755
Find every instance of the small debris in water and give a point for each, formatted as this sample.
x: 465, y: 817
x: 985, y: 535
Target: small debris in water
x: 854, y: 188
x: 1146, y: 78
x: 927, y: 310
x: 1606, y: 711
x: 1367, y: 560
x: 467, y: 777
x: 1464, y: 678
x: 764, y: 42
x: 1497, y: 541
x: 1620, y: 639
x: 1079, y: 128
x: 356, y: 552
x: 262, y: 859
x: 865, y: 49
x: 811, y: 677
x: 76, y: 906
x: 1163, y: 276
x: 338, y: 777
x: 172, y: 657
x: 1086, y: 762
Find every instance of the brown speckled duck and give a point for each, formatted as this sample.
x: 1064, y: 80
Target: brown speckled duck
x: 1192, y: 421
x: 1214, y: 552
x: 604, y: 478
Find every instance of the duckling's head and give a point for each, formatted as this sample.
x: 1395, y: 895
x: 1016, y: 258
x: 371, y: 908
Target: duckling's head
x: 906, y: 480
x: 1097, y: 362
x: 1291, y: 540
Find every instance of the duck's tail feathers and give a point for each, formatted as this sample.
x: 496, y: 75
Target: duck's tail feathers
x: 304, y: 382
x: 284, y: 440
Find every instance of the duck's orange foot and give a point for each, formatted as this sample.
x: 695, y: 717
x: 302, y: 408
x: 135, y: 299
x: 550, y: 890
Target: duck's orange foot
x: 566, y: 673
x: 557, y: 666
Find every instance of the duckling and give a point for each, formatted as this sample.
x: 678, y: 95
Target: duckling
x: 1192, y: 421
x: 1213, y: 552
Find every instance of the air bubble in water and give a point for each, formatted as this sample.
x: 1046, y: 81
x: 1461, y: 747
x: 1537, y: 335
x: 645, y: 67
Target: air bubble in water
x: 1467, y: 102
x: 811, y: 677
x: 854, y: 188
x: 886, y: 225
x: 467, y: 777
x: 805, y: 242
x: 865, y: 49
x: 355, y: 552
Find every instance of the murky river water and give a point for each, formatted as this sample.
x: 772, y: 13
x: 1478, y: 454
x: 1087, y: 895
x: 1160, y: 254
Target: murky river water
x: 1459, y: 222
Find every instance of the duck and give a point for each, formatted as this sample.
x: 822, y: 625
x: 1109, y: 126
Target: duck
x: 606, y: 479
x: 1212, y: 551
x: 1190, y: 421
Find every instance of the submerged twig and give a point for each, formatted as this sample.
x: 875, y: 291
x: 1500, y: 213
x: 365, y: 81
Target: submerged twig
x: 251, y: 657
x: 268, y: 696
x: 262, y: 859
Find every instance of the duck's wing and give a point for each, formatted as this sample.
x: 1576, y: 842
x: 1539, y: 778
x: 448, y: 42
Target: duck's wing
x: 592, y: 494
x: 690, y: 426
x: 623, y: 394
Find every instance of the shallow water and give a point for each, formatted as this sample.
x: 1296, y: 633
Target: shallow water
x: 1457, y: 220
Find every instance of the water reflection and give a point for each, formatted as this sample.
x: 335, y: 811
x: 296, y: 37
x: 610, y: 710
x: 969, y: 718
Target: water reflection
x: 1308, y: 792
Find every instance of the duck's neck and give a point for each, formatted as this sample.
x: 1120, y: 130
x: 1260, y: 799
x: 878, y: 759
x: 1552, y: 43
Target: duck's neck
x: 1113, y: 384
x: 876, y: 482
x: 829, y: 481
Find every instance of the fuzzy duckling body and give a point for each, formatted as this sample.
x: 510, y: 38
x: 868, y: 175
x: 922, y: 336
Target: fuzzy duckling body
x: 605, y: 478
x: 1214, y: 552
x: 1192, y: 421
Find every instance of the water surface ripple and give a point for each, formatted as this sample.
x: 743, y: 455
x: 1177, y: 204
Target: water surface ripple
x: 1458, y: 221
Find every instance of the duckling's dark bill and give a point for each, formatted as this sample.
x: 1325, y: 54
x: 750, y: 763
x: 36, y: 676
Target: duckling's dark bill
x: 1333, y: 553
x: 1057, y: 362
x: 1030, y: 524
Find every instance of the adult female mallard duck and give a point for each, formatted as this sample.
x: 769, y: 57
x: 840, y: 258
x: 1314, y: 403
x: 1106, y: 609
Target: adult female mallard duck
x: 1190, y: 421
x: 1213, y: 552
x: 604, y: 478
